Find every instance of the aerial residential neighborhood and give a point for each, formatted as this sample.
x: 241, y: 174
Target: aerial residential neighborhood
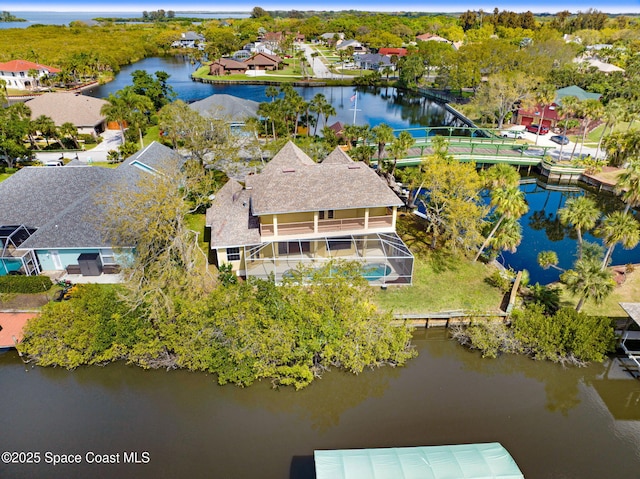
x: 320, y: 243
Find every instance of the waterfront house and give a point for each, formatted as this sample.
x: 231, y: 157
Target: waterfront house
x: 373, y: 61
x: 69, y: 107
x: 189, y: 40
x: 355, y: 44
x: 263, y: 61
x: 400, y: 52
x: 50, y: 217
x: 227, y: 66
x: 298, y: 211
x: 24, y: 75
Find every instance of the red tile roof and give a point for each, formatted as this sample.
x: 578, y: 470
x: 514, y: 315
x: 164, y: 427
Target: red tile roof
x: 24, y: 65
x: 393, y: 51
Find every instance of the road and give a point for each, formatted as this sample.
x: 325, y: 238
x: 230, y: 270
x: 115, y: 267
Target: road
x: 111, y: 139
x: 320, y: 70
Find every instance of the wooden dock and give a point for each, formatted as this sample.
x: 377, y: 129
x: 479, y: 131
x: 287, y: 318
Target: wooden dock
x: 11, y: 326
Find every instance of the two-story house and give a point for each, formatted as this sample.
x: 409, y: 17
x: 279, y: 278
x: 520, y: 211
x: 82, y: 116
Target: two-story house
x: 23, y: 74
x: 298, y: 211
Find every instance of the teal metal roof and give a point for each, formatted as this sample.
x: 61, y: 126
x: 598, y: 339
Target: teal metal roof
x: 463, y: 461
x: 576, y: 91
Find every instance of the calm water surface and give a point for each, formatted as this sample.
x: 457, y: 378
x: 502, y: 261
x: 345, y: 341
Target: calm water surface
x: 557, y: 423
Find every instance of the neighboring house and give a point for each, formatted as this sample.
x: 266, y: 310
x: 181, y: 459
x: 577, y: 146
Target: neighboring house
x: 241, y: 55
x: 338, y: 129
x: 231, y: 108
x: 431, y: 37
x: 576, y: 91
x: 298, y: 211
x: 189, y: 40
x: 600, y: 65
x: 355, y: 44
x: 17, y: 74
x: 263, y: 48
x: 272, y: 40
x: 263, y: 61
x: 331, y: 38
x: 227, y: 66
x: 400, y: 52
x: 83, y: 111
x: 49, y: 217
x: 373, y: 61
x: 533, y: 116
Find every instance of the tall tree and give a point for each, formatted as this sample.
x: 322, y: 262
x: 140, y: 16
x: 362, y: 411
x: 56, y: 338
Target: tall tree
x: 618, y: 227
x: 628, y: 185
x: 399, y: 148
x: 382, y: 134
x: 508, y: 203
x: 496, y: 97
x: 588, y: 281
x: 580, y: 212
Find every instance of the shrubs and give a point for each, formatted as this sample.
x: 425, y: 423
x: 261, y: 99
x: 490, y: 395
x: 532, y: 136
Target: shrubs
x: 24, y: 284
x: 567, y: 337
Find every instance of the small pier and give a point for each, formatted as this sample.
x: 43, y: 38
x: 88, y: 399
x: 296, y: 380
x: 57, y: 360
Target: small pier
x: 11, y: 325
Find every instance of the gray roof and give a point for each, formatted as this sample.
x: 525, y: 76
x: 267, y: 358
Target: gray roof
x: 633, y: 310
x: 81, y: 110
x: 230, y: 218
x: 373, y: 58
x: 337, y: 157
x: 290, y: 156
x: 226, y: 106
x: 297, y: 186
x: 64, y: 203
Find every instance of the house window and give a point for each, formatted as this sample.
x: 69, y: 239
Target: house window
x: 294, y: 247
x: 233, y: 254
x: 339, y: 244
x: 108, y: 256
x: 321, y: 215
x: 330, y: 214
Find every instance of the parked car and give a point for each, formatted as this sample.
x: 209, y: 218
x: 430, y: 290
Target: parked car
x: 560, y: 139
x: 534, y: 129
x: 511, y: 134
x: 54, y: 163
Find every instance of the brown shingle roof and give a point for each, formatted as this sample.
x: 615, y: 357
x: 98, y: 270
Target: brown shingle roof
x: 293, y: 185
x: 81, y: 110
x: 290, y: 156
x: 230, y: 218
x: 262, y: 59
x: 337, y: 157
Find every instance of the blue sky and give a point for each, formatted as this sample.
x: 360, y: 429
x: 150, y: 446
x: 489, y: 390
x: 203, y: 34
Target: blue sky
x: 615, y: 6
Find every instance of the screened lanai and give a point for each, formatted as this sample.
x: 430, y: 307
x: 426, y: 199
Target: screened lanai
x: 12, y: 257
x: 386, y: 259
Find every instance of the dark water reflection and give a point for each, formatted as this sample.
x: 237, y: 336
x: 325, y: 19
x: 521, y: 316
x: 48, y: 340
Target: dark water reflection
x: 382, y: 105
x: 554, y: 421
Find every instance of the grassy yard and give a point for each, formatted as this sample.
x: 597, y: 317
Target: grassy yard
x: 441, y: 282
x: 4, y: 176
x: 627, y: 292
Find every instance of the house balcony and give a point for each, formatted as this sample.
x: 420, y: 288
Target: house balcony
x: 327, y: 226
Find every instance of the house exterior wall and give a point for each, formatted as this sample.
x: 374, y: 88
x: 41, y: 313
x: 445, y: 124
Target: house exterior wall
x: 20, y: 80
x: 237, y: 265
x: 70, y: 257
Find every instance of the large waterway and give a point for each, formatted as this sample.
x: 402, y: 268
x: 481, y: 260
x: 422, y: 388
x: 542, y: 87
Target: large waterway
x: 577, y: 423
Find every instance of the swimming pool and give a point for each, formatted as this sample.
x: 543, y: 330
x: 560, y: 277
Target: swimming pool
x: 376, y: 271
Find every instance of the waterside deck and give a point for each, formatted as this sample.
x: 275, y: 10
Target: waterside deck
x: 11, y: 326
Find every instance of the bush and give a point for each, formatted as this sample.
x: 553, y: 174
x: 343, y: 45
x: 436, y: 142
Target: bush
x: 24, y: 284
x: 89, y: 139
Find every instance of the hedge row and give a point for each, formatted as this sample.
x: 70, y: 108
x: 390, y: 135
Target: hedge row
x: 24, y: 284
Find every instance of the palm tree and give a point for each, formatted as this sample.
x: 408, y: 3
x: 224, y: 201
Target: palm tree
x: 628, y: 185
x: 383, y: 134
x: 271, y: 92
x: 123, y: 104
x: 590, y: 109
x: 507, y: 202
x: 543, y: 96
x: 399, y: 147
x: 588, y: 281
x: 317, y: 105
x: 508, y: 237
x: 46, y: 127
x: 582, y: 213
x: 3, y: 92
x: 501, y: 175
x: 612, y: 113
x: 268, y: 111
x: 548, y: 259
x: 619, y: 227
x: 327, y: 111
x: 69, y: 130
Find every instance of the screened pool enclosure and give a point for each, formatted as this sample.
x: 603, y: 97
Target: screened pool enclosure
x: 13, y: 259
x: 386, y: 259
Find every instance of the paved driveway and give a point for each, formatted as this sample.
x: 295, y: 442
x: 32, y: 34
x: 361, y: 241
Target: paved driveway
x: 111, y: 139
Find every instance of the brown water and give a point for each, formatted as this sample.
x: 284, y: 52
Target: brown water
x: 557, y: 423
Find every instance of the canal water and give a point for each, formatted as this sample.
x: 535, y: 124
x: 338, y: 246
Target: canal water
x: 576, y: 423
x: 397, y: 108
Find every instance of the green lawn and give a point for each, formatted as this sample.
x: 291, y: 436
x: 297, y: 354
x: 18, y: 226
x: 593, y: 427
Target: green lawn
x: 441, y: 282
x: 443, y: 285
x: 4, y: 176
